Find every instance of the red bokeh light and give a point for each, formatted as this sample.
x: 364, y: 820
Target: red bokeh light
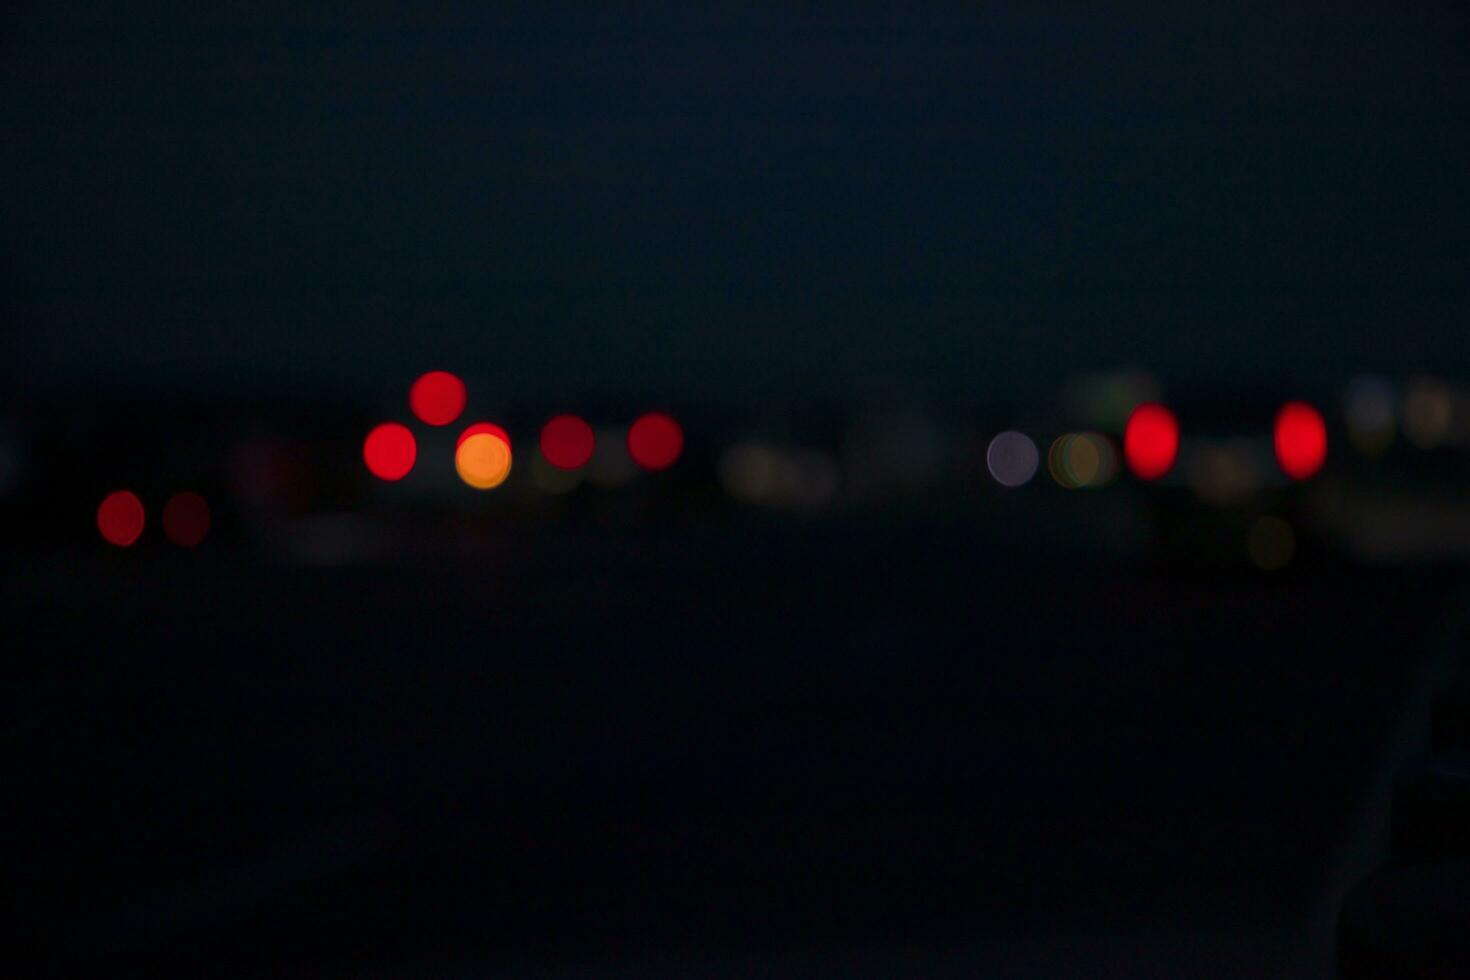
x: 567, y: 442
x: 655, y: 441
x: 1151, y: 441
x: 186, y: 519
x: 1300, y: 439
x: 479, y: 427
x: 437, y: 398
x: 390, y: 451
x: 120, y: 518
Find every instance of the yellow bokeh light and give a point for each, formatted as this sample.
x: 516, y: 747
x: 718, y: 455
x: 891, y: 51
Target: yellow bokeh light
x: 483, y: 461
x: 1056, y: 461
x: 1082, y: 459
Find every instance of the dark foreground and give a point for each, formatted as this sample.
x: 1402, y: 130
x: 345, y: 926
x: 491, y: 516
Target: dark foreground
x: 788, y: 752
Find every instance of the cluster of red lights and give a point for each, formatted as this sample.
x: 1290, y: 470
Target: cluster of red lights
x: 655, y: 442
x: 438, y: 398
x: 121, y: 518
x: 1151, y: 441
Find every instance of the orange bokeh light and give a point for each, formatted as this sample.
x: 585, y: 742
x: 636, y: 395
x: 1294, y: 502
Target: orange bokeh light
x: 479, y: 427
x: 483, y: 461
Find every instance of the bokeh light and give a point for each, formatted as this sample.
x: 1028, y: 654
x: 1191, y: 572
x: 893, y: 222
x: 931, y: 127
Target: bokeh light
x: 1107, y: 458
x: 750, y: 472
x: 1080, y: 460
x: 483, y: 461
x: 1224, y: 473
x: 1300, y: 440
x: 389, y: 451
x: 437, y: 398
x: 120, y: 518
x: 1271, y: 543
x: 567, y: 442
x: 1054, y: 464
x: 780, y: 477
x: 1429, y: 412
x: 1012, y: 459
x: 479, y: 427
x: 186, y: 519
x: 655, y: 441
x: 1151, y: 441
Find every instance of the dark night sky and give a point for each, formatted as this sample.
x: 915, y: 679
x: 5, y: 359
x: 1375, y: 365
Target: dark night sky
x: 733, y: 206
